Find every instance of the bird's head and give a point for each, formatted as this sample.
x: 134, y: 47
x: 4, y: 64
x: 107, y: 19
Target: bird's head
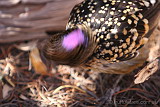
x: 72, y: 47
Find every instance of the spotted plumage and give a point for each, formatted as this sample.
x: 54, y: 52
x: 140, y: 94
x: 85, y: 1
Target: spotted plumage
x: 118, y: 29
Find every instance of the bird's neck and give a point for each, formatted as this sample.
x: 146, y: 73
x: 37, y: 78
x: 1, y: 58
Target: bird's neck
x: 73, y: 47
x: 80, y: 45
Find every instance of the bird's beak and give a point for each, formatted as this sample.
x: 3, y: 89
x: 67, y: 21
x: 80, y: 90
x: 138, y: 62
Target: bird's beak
x: 37, y: 63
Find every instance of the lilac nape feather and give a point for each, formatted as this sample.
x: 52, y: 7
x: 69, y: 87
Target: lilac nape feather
x: 73, y: 39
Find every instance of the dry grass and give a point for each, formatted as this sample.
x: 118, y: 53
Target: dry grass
x: 69, y: 87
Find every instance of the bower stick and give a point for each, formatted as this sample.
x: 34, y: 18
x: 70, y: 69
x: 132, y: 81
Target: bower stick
x: 29, y: 19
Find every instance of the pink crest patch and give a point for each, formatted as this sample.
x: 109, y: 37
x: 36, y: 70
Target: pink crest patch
x: 73, y: 39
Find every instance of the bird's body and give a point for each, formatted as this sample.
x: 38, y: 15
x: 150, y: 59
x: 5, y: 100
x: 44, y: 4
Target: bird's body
x: 106, y: 35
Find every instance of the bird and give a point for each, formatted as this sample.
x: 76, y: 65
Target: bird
x: 108, y: 36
